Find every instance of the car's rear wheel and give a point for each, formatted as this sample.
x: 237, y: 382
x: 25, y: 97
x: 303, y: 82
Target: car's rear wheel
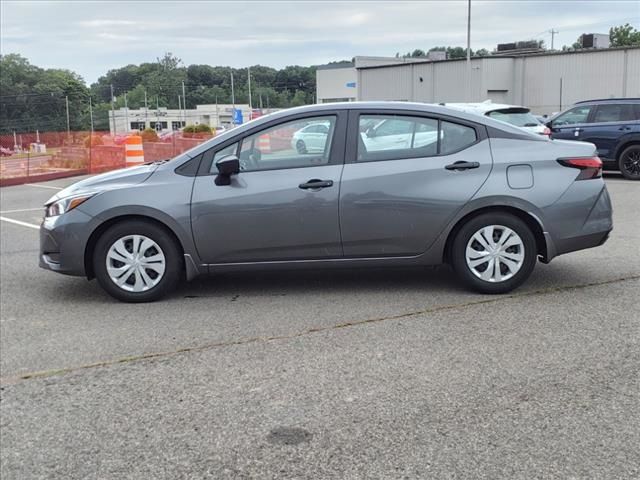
x: 137, y: 261
x: 301, y: 147
x: 629, y: 162
x: 494, y: 253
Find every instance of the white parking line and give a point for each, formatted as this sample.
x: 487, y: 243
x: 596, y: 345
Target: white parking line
x: 22, y: 210
x: 42, y: 186
x: 18, y: 222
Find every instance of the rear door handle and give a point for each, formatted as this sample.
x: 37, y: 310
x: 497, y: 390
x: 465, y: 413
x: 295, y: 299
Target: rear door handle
x: 315, y: 183
x: 462, y: 165
x: 624, y: 128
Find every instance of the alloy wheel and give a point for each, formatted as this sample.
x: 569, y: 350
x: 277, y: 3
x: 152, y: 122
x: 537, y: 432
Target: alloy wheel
x: 135, y: 263
x: 631, y: 163
x: 495, y: 253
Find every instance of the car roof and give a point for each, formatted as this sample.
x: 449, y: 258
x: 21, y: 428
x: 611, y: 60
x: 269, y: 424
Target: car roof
x: 609, y: 100
x: 391, y: 105
x: 484, y: 107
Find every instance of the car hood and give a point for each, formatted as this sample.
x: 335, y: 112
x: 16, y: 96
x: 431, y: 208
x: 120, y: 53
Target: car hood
x: 107, y: 181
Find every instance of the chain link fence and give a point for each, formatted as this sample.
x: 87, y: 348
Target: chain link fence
x: 40, y: 156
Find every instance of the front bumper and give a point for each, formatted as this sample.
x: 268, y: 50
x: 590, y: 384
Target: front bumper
x: 63, y: 241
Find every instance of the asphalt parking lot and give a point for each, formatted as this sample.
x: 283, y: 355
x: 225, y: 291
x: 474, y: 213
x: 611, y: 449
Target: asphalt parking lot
x: 349, y: 374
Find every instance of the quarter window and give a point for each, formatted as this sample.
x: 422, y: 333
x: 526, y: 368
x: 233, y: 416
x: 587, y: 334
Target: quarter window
x: 300, y: 143
x: 454, y: 137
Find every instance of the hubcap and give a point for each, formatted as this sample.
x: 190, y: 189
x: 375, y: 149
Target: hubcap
x: 135, y: 263
x: 495, y: 253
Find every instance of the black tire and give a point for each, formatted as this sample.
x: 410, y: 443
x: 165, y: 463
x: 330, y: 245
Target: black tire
x: 174, y: 262
x: 459, y: 249
x: 301, y: 147
x: 629, y: 162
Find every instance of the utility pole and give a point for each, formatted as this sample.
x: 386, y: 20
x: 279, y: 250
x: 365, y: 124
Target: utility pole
x: 90, y: 115
x: 469, y: 50
x: 233, y: 96
x: 217, y: 113
x: 553, y: 34
x: 126, y: 113
x: 179, y: 108
x: 66, y: 100
x: 113, y: 111
x: 249, y: 81
x: 184, y: 103
x: 146, y: 108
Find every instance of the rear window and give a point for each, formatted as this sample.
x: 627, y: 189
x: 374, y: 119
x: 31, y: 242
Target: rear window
x: 520, y: 117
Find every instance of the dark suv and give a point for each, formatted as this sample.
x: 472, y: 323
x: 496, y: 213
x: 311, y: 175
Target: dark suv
x: 613, y: 125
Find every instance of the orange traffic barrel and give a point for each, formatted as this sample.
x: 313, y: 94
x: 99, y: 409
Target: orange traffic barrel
x: 264, y: 143
x: 134, y: 151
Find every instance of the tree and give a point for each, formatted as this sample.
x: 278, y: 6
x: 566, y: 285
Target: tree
x: 483, y: 52
x: 624, y: 35
x: 35, y: 99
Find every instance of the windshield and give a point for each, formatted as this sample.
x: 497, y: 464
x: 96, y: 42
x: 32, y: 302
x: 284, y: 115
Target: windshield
x: 520, y: 117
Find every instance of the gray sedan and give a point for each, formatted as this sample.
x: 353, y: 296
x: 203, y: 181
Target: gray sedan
x: 391, y: 184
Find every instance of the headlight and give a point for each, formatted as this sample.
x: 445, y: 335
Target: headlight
x: 65, y: 204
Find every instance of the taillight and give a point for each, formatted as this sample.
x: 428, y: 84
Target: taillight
x: 546, y: 131
x: 591, y: 166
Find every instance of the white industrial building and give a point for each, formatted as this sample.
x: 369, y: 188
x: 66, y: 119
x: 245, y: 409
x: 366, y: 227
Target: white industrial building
x: 546, y: 82
x: 165, y: 120
x: 338, y: 82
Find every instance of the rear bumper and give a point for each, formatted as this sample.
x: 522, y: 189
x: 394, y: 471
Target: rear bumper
x: 580, y: 230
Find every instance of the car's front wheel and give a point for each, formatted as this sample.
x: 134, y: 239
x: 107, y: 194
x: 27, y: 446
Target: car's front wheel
x: 629, y: 162
x: 137, y: 261
x: 494, y: 253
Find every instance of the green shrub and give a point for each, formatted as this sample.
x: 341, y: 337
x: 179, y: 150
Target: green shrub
x: 189, y: 129
x: 149, y: 135
x: 202, y: 128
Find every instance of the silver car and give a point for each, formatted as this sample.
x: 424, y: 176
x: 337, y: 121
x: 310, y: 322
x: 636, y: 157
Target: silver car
x: 481, y: 195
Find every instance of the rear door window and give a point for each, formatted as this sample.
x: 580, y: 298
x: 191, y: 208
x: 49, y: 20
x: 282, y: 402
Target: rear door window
x: 392, y: 137
x: 386, y: 137
x: 615, y: 112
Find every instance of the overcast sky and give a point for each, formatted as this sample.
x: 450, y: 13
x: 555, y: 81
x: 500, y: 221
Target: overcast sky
x: 93, y: 37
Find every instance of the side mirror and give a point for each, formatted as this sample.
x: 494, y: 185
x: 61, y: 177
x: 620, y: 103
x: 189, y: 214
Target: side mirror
x: 227, y: 166
x: 370, y: 133
x: 549, y: 124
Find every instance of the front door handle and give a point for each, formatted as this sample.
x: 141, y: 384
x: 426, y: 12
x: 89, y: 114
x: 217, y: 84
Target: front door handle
x: 316, y: 184
x: 625, y: 128
x: 462, y: 165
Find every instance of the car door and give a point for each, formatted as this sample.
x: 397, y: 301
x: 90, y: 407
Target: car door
x: 570, y: 124
x: 282, y: 205
x: 608, y: 123
x: 395, y: 202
